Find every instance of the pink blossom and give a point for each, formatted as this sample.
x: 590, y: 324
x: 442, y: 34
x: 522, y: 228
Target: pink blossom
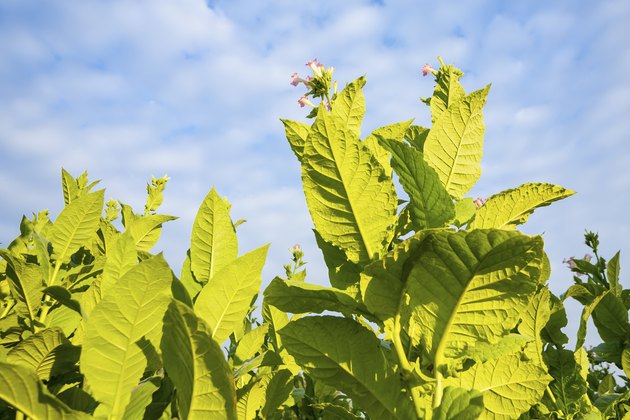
x: 479, y: 202
x: 304, y: 101
x: 426, y: 69
x: 316, y: 66
x: 295, y: 79
x: 587, y: 257
x: 569, y: 261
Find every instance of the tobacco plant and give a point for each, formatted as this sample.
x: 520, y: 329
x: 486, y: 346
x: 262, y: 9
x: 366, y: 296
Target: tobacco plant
x: 438, y: 307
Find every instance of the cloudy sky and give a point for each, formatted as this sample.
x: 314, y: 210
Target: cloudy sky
x: 195, y: 90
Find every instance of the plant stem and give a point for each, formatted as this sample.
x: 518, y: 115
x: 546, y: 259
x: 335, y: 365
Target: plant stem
x: 406, y: 367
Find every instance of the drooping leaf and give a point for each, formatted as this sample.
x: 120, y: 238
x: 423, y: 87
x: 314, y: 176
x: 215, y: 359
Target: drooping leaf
x: 299, y: 297
x: 510, y: 208
x: 454, y: 145
x: 225, y: 300
x: 344, y: 354
x: 392, y: 132
x: 430, y: 204
x: 459, y: 404
x: 196, y: 365
x: 47, y: 352
x: 351, y: 199
x: 76, y: 224
x: 448, y: 90
x: 296, y: 133
x: 123, y: 331
x: 21, y: 388
x: 213, y: 243
x: 510, y: 386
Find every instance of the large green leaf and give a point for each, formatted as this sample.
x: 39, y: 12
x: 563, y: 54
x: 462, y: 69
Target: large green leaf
x: 429, y: 202
x: 48, y: 353
x: 196, y: 365
x: 533, y: 320
x: 510, y: 386
x: 76, y: 224
x: 342, y: 273
x: 342, y: 353
x: 299, y: 297
x: 459, y: 404
x: 469, y: 286
x: 454, y: 145
x: 349, y: 106
x: 351, y: 198
x: 124, y: 331
x: 510, y: 208
x: 121, y: 257
x: 21, y: 388
x: 392, y: 132
x: 213, y: 243
x: 610, y: 317
x: 296, y: 133
x: 447, y: 90
x: 568, y: 385
x: 225, y: 299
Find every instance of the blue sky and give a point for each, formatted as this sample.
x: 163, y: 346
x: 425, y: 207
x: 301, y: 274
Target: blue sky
x: 195, y: 90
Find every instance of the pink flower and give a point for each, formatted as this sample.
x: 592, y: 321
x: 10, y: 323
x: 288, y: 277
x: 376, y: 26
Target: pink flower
x: 304, y: 101
x: 426, y: 69
x: 295, y: 79
x: 479, y: 202
x: 587, y: 257
x: 316, y: 66
x: 569, y: 261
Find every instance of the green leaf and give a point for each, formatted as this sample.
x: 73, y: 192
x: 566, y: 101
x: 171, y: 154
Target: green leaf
x: 26, y: 284
x: 296, y: 133
x: 349, y: 106
x: 213, y: 243
x: 454, y: 145
x: 20, y: 388
x: 121, y: 257
x: 76, y: 225
x: 612, y: 273
x: 392, y: 132
x: 65, y: 318
x: 196, y: 365
x: 277, y: 392
x: 552, y: 333
x: 69, y: 187
x: 342, y: 353
x: 47, y: 352
x: 447, y: 91
x: 140, y: 398
x: 464, y: 211
x: 276, y: 319
x: 416, y: 136
x: 155, y: 197
x: 251, y: 343
x: 251, y: 402
x: 188, y: 279
x: 510, y: 386
x: 225, y: 299
x: 482, y: 351
x: 299, y: 297
x: 510, y: 208
x: 342, y: 274
x: 351, y: 198
x: 146, y: 230
x: 459, y: 404
x: 610, y: 317
x: 533, y: 320
x: 429, y: 203
x: 568, y: 385
x: 63, y: 296
x: 335, y: 412
x: 470, y: 286
x: 123, y: 331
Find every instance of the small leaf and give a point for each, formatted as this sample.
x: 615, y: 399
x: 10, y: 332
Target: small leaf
x: 416, y: 136
x: 277, y: 392
x: 533, y: 320
x: 224, y: 301
x: 251, y: 343
x: 448, y: 90
x: 140, y: 398
x: 392, y: 132
x: 459, y: 404
x: 612, y: 273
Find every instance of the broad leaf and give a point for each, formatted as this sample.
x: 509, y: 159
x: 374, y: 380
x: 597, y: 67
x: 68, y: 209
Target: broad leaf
x: 392, y: 132
x: 510, y: 208
x: 123, y: 333
x: 447, y: 90
x: 533, y: 320
x: 20, y: 388
x: 196, y: 365
x: 610, y: 317
x: 277, y: 392
x: 459, y: 404
x: 429, y: 203
x: 224, y: 301
x: 251, y: 343
x: 213, y: 242
x: 454, y: 145
x: 48, y: 353
x: 351, y: 198
x: 568, y: 385
x: 349, y: 106
x: 510, y: 386
x: 120, y: 259
x: 416, y: 136
x: 76, y: 225
x: 342, y: 274
x: 25, y: 282
x: 344, y: 354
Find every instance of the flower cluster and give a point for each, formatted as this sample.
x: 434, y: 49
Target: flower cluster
x: 297, y: 261
x: 319, y: 86
x: 571, y: 261
x: 478, y: 201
